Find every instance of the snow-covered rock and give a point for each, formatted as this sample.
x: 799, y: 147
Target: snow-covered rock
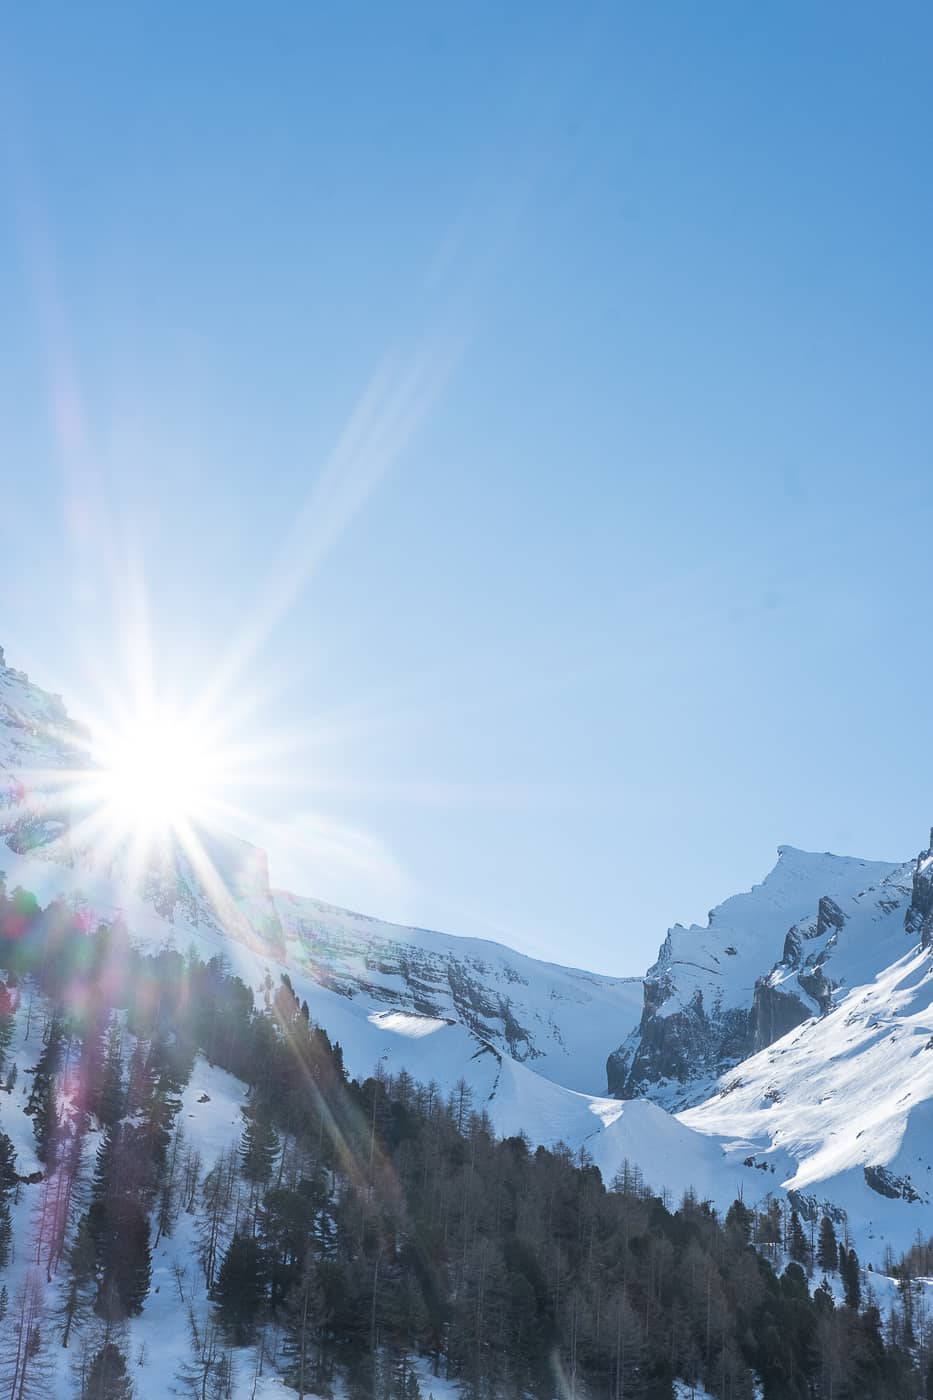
x: 700, y: 1014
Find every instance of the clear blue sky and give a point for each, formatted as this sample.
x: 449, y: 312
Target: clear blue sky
x: 529, y: 405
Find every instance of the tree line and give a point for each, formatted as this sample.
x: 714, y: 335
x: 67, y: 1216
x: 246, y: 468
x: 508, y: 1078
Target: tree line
x: 358, y: 1225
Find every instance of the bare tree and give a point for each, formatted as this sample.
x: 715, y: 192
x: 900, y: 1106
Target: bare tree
x: 24, y: 1363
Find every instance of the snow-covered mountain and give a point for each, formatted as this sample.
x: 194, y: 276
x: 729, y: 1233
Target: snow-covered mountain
x: 562, y: 1020
x: 845, y: 1100
x: 784, y: 1047
x: 765, y: 961
x: 557, y: 1019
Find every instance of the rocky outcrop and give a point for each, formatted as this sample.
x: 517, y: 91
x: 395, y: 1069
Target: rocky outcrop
x: 674, y: 1051
x: 775, y: 1012
x: 720, y: 993
x: 554, y: 1017
x: 918, y: 921
x: 887, y: 1183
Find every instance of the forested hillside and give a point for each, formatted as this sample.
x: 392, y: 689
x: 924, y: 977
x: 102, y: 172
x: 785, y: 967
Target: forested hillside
x: 367, y: 1235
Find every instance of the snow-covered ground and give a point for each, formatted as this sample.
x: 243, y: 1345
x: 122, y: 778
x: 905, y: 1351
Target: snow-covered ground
x: 850, y: 1091
x: 156, y: 1342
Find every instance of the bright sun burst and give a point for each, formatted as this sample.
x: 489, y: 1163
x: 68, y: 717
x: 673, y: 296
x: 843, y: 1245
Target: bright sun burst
x: 156, y: 773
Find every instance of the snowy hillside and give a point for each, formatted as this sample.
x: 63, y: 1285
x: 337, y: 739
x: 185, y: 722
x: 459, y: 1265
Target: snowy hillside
x: 843, y: 1104
x: 554, y: 1018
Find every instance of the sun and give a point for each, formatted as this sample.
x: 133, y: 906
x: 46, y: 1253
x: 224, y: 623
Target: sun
x: 155, y: 773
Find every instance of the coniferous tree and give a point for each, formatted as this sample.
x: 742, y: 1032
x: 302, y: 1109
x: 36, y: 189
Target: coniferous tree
x: 304, y: 1315
x: 118, y: 1223
x: 6, y: 1233
x: 851, y: 1277
x: 80, y: 1290
x: 240, y: 1288
x: 740, y: 1218
x: 827, y: 1250
x: 110, y: 1101
x: 798, y: 1246
x: 8, y: 1174
x: 107, y: 1378
x: 41, y: 1102
x: 259, y: 1148
x: 6, y: 1022
x: 8, y: 1182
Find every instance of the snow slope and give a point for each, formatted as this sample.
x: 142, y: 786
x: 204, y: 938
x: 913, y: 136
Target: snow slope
x: 556, y: 1018
x: 843, y: 1105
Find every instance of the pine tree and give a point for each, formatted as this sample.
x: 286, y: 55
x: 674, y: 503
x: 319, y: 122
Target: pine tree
x: 259, y: 1148
x: 110, y: 1101
x: 107, y: 1378
x: 851, y: 1280
x: 119, y: 1227
x: 303, y: 1315
x: 8, y: 1174
x: 41, y: 1102
x: 78, y: 1294
x: 240, y: 1287
x: 6, y: 1234
x: 6, y: 1022
x: 740, y: 1218
x: 827, y: 1250
x: 798, y: 1246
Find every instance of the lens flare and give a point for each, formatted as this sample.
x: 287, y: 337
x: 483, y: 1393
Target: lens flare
x: 156, y: 773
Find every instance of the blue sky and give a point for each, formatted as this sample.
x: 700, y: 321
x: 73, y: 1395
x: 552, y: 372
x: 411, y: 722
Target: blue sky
x: 525, y: 410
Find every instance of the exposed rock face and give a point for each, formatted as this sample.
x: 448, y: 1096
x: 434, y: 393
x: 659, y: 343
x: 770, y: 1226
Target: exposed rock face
x: 774, y: 1013
x: 889, y: 1184
x: 684, y: 1047
x: 919, y: 917
x: 557, y: 1018
x: 755, y: 972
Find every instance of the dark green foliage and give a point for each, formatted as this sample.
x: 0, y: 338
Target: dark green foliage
x: 6, y: 1233
x: 109, y: 1099
x: 8, y: 1175
x: 119, y: 1228
x: 82, y: 1281
x: 851, y: 1276
x: 259, y: 1148
x: 41, y: 1102
x: 740, y: 1219
x: 118, y: 1221
x: 107, y: 1378
x: 240, y: 1287
x: 6, y: 1022
x: 798, y: 1246
x: 8, y: 1180
x: 827, y: 1249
